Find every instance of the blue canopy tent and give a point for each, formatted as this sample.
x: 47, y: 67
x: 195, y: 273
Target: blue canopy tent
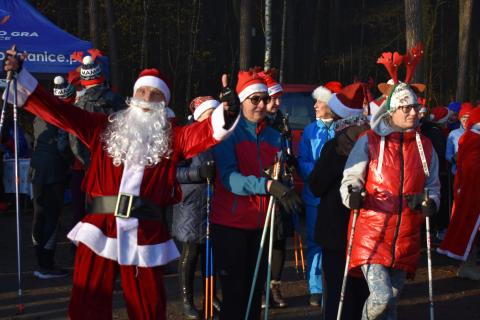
x: 48, y: 47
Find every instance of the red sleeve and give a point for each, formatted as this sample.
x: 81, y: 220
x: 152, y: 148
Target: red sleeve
x: 188, y: 141
x: 68, y: 117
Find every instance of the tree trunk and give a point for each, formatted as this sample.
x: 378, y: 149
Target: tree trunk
x: 144, y: 49
x: 282, y: 41
x: 112, y: 43
x: 413, y: 31
x: 94, y: 27
x: 194, y: 28
x: 246, y: 24
x: 464, y: 21
x: 81, y: 18
x: 268, y: 35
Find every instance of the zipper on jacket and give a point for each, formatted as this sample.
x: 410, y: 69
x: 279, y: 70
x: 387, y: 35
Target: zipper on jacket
x: 400, y: 197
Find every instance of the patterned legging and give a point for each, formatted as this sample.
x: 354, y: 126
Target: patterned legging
x: 385, y: 285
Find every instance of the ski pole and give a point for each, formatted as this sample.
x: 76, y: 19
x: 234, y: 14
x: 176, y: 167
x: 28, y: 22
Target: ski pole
x: 209, y: 274
x: 429, y: 261
x: 295, y: 251
x: 347, y: 262
x: 271, y: 206
x: 300, y: 243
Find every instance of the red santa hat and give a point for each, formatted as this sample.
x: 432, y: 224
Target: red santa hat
x: 465, y: 109
x: 274, y: 88
x: 155, y: 79
x: 349, y: 101
x: 334, y: 86
x: 474, y: 118
x: 249, y: 82
x: 201, y: 104
x: 439, y: 115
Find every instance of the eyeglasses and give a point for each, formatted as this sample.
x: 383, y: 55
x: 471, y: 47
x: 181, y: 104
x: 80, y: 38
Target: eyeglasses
x: 255, y: 100
x: 406, y: 109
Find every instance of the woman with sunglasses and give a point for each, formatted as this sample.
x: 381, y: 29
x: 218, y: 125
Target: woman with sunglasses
x: 240, y: 201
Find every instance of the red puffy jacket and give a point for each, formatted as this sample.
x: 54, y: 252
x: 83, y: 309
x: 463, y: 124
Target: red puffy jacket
x: 387, y: 231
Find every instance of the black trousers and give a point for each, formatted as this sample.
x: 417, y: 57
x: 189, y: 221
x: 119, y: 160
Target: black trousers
x: 278, y: 258
x: 333, y: 264
x: 47, y: 208
x: 235, y: 255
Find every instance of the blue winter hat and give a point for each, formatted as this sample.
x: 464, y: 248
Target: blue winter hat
x: 454, y: 106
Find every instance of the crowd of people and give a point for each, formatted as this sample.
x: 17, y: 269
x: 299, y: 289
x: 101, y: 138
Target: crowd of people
x: 391, y: 159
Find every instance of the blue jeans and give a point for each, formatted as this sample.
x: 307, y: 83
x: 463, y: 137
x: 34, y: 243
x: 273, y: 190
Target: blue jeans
x: 314, y: 254
x: 385, y: 285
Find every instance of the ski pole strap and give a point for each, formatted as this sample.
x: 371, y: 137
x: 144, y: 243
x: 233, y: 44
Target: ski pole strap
x: 422, y: 154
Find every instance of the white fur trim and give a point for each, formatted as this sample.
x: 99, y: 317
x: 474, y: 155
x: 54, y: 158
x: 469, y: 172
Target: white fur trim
x: 127, y: 253
x: 256, y: 87
x: 275, y: 89
x: 154, y: 82
x: 131, y: 179
x: 204, y: 106
x: 321, y: 93
x: 342, y: 110
x: 218, y: 121
x: 467, y: 249
x: 26, y: 84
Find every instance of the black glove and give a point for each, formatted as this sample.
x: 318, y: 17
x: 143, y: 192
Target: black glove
x: 414, y: 201
x: 207, y: 170
x: 230, y: 97
x: 287, y: 197
x: 355, y: 201
x: 429, y: 207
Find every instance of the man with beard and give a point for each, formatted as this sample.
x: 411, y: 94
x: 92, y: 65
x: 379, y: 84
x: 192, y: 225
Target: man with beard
x: 131, y: 180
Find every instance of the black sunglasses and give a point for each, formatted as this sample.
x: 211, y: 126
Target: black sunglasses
x: 408, y: 108
x: 256, y: 99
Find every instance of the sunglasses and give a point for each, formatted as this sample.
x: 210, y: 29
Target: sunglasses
x: 255, y: 100
x: 406, y: 109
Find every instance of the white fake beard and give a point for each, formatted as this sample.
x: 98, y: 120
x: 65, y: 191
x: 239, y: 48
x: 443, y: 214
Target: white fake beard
x: 138, y: 137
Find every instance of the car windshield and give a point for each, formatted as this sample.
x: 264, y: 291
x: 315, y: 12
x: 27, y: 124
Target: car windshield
x: 299, y: 106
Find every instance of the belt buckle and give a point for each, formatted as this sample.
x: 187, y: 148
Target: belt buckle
x: 124, y: 204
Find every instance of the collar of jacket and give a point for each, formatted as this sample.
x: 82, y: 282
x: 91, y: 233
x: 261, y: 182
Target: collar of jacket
x: 322, y: 124
x: 257, y: 126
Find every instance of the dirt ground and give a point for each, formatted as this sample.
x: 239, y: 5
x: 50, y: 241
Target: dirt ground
x: 455, y: 298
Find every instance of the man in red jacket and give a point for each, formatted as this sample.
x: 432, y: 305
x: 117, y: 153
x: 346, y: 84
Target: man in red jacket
x: 131, y: 180
x: 393, y: 163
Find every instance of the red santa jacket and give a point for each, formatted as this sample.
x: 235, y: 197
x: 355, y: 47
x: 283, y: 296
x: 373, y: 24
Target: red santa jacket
x: 387, y: 231
x: 136, y: 241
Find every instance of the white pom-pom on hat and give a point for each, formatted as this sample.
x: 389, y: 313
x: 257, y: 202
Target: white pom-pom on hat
x: 87, y: 60
x: 58, y: 80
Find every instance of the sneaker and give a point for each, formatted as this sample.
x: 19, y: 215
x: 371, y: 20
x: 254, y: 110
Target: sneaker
x: 316, y: 299
x: 52, y: 273
x: 469, y: 271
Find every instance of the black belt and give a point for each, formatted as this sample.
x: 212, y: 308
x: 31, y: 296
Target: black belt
x: 126, y: 206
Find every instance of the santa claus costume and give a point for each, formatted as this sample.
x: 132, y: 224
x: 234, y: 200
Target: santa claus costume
x: 459, y: 242
x: 132, y: 173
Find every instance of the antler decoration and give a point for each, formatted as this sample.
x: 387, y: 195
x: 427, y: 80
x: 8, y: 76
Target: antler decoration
x: 94, y: 53
x: 391, y: 63
x: 77, y: 56
x: 411, y: 59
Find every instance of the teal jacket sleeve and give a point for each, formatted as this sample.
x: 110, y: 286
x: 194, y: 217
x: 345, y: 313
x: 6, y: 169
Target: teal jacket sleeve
x: 230, y: 176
